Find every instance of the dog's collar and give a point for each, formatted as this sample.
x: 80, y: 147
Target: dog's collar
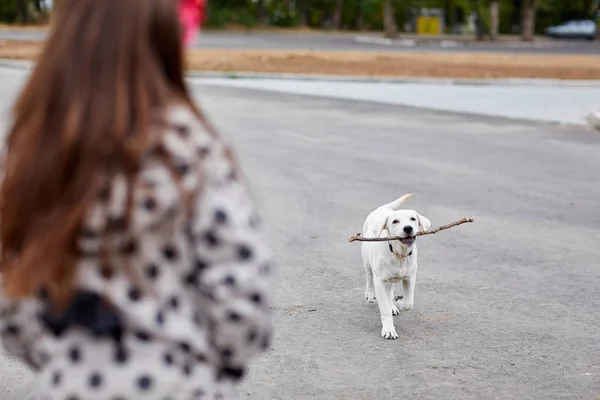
x: 396, y: 254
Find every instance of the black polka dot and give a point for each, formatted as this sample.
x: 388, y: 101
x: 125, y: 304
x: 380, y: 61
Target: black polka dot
x: 185, y: 347
x: 191, y: 279
x: 201, y: 265
x: 226, y: 353
x: 170, y: 252
x: 174, y: 302
x: 150, y: 203
x: 134, y: 294
x: 233, y: 316
x: 95, y: 380
x: 116, y: 224
x: 211, y: 239
x: 142, y: 336
x: 220, y: 216
x: 204, y: 151
x: 181, y: 130
x: 107, y: 272
x: 201, y: 358
x: 252, y: 336
x: 144, y: 382
x: 168, y: 359
x: 12, y: 329
x: 160, y: 318
x: 75, y: 355
x: 152, y: 271
x: 244, y: 252
x: 104, y: 193
x: 187, y: 370
x: 121, y: 355
x: 43, y: 294
x: 256, y: 298
x: 56, y: 378
x: 129, y: 247
x: 229, y: 280
x: 183, y: 169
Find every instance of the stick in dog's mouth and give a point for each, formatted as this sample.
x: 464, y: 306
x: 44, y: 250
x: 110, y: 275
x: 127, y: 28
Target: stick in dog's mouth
x: 359, y: 238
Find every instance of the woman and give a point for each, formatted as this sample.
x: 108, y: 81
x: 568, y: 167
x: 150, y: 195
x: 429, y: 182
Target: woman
x: 131, y: 266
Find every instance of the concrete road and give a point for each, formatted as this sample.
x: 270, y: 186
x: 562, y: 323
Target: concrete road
x: 349, y: 42
x: 507, y: 307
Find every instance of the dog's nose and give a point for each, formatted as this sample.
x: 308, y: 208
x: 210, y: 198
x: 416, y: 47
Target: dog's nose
x: 408, y: 229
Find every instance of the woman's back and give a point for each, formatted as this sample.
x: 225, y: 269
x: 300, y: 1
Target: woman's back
x: 182, y: 290
x: 131, y: 263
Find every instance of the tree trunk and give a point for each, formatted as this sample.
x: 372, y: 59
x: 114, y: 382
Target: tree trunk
x: 494, y: 19
x: 260, y: 11
x: 359, y: 21
x: 528, y: 19
x: 337, y: 14
x: 23, y: 10
x: 389, y: 20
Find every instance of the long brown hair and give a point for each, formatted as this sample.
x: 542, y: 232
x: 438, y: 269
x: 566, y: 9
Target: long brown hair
x: 85, y: 112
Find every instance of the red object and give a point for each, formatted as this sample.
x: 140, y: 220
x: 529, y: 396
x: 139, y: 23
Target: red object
x: 192, y: 14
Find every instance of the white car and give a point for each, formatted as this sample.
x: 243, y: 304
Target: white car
x: 576, y: 29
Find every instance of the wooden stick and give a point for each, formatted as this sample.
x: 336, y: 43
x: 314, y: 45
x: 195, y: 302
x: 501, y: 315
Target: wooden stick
x: 358, y: 238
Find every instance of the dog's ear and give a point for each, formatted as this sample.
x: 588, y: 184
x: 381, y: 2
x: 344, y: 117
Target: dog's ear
x: 424, y: 223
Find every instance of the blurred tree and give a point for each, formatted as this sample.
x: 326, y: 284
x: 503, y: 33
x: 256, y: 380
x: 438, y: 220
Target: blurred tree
x: 528, y: 11
x: 494, y: 19
x: 389, y: 19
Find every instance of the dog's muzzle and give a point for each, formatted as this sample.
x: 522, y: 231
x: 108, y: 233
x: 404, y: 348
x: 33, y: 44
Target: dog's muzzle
x: 408, y: 241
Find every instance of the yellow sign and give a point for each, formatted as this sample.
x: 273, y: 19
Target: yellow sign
x: 429, y: 26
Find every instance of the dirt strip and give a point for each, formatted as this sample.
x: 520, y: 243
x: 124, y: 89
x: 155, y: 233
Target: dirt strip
x: 447, y: 65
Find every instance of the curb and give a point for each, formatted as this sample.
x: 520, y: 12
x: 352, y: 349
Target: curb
x: 24, y: 65
x: 399, y: 80
x: 451, y: 43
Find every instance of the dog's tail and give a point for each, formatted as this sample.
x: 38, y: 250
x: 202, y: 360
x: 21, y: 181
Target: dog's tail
x: 395, y: 205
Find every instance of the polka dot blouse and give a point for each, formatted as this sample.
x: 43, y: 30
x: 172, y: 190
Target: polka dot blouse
x: 172, y: 304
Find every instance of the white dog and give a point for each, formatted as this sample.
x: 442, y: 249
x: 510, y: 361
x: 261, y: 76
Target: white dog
x: 384, y: 262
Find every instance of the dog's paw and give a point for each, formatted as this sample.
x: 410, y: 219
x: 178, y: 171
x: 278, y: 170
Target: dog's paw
x: 395, y: 310
x: 403, y: 305
x: 389, y: 333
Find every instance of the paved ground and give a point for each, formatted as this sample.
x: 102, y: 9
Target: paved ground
x: 506, y: 308
x: 300, y: 41
x: 529, y: 102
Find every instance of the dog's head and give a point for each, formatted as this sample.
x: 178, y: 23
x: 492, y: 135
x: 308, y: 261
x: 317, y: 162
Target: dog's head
x: 404, y: 224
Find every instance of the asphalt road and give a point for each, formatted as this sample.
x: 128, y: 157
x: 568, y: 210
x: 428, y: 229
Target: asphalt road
x: 311, y: 41
x: 507, y: 307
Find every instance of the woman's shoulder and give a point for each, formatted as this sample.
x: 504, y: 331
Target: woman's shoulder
x: 191, y: 146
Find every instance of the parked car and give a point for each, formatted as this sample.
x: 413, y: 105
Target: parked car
x: 576, y: 29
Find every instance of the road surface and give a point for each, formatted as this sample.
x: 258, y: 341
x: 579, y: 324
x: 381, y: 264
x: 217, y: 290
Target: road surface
x: 348, y: 42
x: 507, y: 307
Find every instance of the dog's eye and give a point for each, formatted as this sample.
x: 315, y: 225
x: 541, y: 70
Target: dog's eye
x: 413, y: 219
x: 395, y: 221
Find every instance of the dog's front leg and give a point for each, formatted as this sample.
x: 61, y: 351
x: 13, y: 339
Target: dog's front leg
x: 388, y: 331
x: 408, y: 301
